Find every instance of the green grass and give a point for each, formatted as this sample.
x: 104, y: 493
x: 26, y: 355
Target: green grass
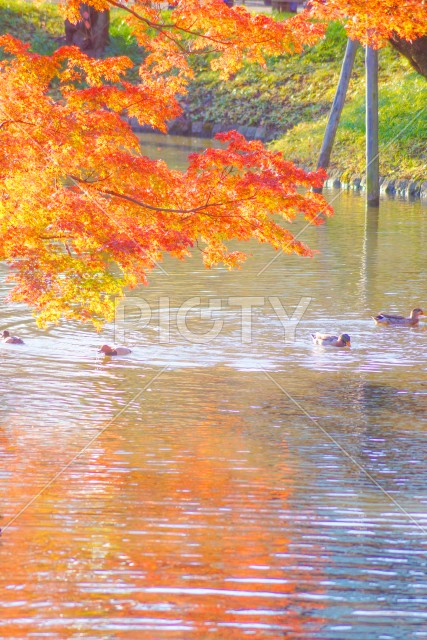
x: 291, y: 97
x: 288, y: 91
x: 122, y: 42
x: 41, y: 24
x: 403, y: 127
x: 31, y: 22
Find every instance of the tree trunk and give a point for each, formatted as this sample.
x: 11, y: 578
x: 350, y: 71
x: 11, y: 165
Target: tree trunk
x: 91, y: 33
x: 415, y: 51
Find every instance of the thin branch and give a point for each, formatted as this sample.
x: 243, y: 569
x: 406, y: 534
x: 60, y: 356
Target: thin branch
x: 89, y: 179
x: 173, y: 25
x: 160, y: 26
x: 190, y: 212
x: 56, y: 238
x: 5, y: 122
x: 68, y: 250
x: 144, y: 205
x: 149, y: 23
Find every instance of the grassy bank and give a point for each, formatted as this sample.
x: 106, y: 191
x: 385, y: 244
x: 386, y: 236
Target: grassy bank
x: 290, y: 98
x: 31, y: 22
x: 403, y: 125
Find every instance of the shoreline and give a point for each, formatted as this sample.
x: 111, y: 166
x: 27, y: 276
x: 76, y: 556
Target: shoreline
x: 404, y: 188
x: 409, y: 189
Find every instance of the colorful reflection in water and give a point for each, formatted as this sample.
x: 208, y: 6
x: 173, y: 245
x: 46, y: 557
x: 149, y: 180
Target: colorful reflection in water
x: 219, y: 501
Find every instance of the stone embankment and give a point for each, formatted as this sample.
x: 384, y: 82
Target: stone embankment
x: 411, y: 189
x: 199, y: 129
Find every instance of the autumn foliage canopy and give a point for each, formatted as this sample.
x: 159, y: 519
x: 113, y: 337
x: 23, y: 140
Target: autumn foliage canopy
x: 373, y: 22
x: 84, y: 214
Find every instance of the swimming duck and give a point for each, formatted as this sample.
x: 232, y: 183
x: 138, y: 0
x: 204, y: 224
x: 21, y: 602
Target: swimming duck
x: 118, y: 351
x: 325, y: 340
x: 11, y: 339
x: 399, y: 321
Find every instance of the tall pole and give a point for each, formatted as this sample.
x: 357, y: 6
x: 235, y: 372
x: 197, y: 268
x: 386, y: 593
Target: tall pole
x: 337, y: 105
x: 372, y: 151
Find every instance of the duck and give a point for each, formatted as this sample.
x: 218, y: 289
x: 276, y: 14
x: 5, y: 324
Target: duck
x: 118, y: 351
x: 388, y: 320
x: 8, y: 339
x: 326, y: 340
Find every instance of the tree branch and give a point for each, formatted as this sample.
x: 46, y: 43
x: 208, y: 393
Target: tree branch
x: 160, y: 27
x: 5, y: 122
x: 144, y: 205
x: 191, y: 212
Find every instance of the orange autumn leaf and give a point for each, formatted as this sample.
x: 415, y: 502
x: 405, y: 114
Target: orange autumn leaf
x: 84, y: 215
x: 376, y: 21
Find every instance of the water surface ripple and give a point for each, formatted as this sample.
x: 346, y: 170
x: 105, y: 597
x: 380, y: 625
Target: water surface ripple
x: 220, y: 501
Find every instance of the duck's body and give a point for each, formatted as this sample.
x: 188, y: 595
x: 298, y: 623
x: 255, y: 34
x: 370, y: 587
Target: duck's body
x: 388, y: 320
x: 8, y: 339
x: 326, y: 340
x: 118, y: 351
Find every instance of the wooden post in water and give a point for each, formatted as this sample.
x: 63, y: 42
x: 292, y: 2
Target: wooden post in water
x: 372, y: 152
x: 337, y: 106
x: 369, y: 259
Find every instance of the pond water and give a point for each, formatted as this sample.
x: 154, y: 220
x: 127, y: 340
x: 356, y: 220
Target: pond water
x: 244, y: 485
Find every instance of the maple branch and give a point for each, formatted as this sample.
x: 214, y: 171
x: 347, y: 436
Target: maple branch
x: 150, y: 207
x: 159, y: 27
x: 149, y: 23
x: 56, y: 238
x: 68, y: 249
x: 5, y: 122
x: 89, y: 179
x: 191, y: 212
x: 197, y: 246
x: 221, y: 177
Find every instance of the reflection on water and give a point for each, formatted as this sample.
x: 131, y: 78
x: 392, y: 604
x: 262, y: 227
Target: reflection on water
x: 218, y: 501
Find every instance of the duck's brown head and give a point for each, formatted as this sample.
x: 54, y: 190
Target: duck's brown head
x: 106, y: 349
x: 416, y: 313
x: 5, y: 334
x: 345, y: 338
